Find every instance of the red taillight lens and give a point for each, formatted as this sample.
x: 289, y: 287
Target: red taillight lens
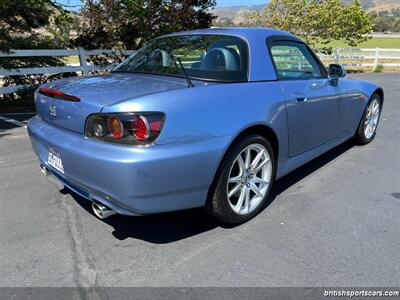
x: 125, y: 128
x: 140, y: 128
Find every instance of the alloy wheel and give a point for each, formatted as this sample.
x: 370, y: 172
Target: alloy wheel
x: 372, y: 118
x: 249, y: 179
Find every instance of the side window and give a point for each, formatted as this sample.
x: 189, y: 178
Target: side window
x: 294, y: 61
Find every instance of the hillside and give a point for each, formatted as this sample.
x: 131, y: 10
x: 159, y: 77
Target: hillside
x: 383, y: 5
x: 378, y: 5
x: 235, y: 14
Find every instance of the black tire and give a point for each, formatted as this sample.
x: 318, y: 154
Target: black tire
x: 217, y: 203
x: 360, y: 137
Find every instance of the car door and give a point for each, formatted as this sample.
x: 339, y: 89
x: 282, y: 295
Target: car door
x: 312, y: 109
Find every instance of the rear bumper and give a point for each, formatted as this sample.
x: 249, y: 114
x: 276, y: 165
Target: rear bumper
x: 131, y: 180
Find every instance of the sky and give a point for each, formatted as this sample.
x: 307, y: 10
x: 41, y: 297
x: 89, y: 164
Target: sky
x: 220, y: 3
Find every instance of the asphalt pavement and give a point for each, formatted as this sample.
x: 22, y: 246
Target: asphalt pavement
x: 333, y: 222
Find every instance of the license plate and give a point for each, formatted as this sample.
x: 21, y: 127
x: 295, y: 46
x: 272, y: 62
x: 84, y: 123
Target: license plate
x: 54, y: 160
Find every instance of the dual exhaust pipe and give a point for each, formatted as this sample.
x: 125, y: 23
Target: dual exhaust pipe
x: 101, y: 211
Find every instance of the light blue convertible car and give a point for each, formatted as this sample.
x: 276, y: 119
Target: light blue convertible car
x: 206, y: 118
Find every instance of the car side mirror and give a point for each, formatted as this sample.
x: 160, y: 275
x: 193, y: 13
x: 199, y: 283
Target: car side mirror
x: 336, y: 70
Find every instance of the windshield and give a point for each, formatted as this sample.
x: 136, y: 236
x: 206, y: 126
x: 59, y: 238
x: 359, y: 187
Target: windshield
x: 205, y: 57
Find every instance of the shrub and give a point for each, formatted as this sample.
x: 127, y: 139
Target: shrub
x: 23, y: 97
x: 379, y: 68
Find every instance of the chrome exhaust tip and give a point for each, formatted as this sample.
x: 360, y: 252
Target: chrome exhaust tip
x: 101, y: 211
x: 44, y: 169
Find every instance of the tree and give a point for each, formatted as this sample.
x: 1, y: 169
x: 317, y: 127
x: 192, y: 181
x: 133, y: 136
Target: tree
x: 129, y: 23
x: 317, y: 21
x: 28, y: 24
x: 382, y: 24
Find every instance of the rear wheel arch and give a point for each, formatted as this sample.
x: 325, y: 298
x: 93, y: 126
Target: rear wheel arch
x: 260, y: 129
x: 218, y: 202
x: 379, y: 91
x: 264, y: 131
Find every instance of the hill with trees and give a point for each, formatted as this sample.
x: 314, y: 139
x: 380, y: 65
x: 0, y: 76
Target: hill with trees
x: 385, y: 14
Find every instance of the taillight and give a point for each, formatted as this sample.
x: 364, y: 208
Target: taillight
x: 125, y: 128
x: 140, y: 127
x: 115, y: 127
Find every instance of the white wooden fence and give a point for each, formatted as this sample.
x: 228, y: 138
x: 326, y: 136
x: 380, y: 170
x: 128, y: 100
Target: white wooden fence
x: 83, y: 67
x: 364, y: 57
x: 351, y: 57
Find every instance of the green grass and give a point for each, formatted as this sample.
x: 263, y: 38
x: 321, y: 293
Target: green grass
x: 374, y: 42
x: 71, y: 59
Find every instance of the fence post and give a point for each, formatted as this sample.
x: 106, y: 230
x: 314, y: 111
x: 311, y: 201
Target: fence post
x: 82, y: 60
x: 337, y: 60
x: 376, y: 58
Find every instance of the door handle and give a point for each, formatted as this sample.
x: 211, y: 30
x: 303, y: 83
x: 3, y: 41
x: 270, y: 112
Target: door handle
x: 301, y: 99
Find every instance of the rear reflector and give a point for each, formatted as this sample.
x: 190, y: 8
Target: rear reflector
x: 58, y: 95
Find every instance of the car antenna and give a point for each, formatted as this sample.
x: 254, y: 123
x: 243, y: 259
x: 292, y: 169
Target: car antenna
x: 189, y: 82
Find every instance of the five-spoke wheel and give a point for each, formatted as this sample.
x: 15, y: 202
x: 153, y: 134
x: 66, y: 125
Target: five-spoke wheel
x: 243, y: 181
x: 369, y: 122
x: 249, y: 178
x: 372, y: 118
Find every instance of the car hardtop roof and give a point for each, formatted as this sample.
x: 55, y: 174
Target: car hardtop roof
x: 260, y: 68
x: 248, y: 33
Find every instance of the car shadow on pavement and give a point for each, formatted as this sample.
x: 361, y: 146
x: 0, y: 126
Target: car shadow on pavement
x: 159, y: 228
x: 3, y: 134
x: 292, y: 178
x: 4, y: 126
x: 174, y: 226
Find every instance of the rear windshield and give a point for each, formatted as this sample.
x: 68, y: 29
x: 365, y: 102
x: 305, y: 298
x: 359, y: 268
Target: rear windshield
x: 205, y: 57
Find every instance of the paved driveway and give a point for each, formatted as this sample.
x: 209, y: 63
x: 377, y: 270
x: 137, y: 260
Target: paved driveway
x: 333, y: 222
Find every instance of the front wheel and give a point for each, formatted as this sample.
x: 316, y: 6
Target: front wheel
x: 243, y: 181
x: 369, y: 122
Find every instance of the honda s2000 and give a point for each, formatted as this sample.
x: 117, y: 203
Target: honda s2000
x: 206, y: 118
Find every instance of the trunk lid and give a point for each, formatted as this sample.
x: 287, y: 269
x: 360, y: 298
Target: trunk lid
x: 96, y: 92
